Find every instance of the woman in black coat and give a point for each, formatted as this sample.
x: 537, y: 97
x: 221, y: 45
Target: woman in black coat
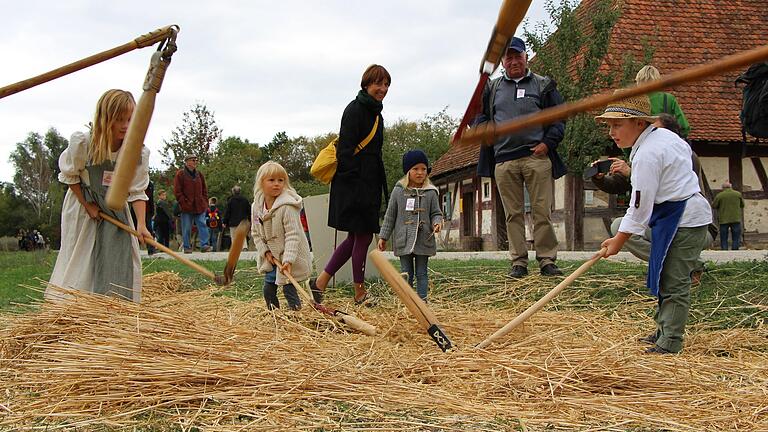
x: 360, y: 180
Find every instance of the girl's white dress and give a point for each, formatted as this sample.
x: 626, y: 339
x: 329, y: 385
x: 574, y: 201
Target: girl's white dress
x: 78, y: 230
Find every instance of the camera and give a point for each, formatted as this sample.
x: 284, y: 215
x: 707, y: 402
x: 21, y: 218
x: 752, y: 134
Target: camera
x: 603, y: 166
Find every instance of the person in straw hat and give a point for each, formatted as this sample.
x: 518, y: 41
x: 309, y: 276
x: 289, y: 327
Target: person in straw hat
x: 666, y: 198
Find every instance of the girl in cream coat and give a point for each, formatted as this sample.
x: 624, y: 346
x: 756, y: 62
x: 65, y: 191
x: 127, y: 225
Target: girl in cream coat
x: 278, y: 234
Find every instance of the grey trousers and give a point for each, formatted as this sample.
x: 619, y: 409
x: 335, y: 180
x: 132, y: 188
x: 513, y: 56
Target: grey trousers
x: 534, y: 173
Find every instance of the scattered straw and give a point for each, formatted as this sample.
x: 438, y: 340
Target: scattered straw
x: 188, y: 358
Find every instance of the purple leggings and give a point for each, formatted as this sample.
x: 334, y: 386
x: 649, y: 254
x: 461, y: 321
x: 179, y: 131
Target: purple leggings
x: 355, y: 246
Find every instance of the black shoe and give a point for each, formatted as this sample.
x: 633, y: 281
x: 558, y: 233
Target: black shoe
x: 650, y: 339
x: 657, y: 350
x: 317, y: 295
x: 518, y: 272
x: 551, y: 270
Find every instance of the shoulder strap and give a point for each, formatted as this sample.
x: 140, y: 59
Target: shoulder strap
x: 368, y: 139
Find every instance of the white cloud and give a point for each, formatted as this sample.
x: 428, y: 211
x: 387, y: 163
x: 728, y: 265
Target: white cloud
x: 261, y: 66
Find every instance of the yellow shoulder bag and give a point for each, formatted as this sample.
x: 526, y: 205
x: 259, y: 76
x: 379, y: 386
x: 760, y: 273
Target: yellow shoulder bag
x: 324, y: 166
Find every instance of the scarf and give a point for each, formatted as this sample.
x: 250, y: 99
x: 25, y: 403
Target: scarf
x: 368, y: 101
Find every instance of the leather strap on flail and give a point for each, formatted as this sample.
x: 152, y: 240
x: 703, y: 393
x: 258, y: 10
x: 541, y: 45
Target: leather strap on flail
x: 160, y: 61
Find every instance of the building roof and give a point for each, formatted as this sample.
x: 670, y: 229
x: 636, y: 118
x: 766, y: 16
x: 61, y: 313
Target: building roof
x: 687, y: 33
x: 456, y: 158
x: 683, y: 33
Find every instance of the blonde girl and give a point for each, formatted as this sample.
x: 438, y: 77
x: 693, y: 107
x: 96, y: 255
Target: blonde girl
x: 96, y: 256
x: 278, y: 234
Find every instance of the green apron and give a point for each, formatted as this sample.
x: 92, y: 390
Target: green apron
x: 111, y: 258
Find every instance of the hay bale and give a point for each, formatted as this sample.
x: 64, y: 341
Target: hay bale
x: 188, y: 358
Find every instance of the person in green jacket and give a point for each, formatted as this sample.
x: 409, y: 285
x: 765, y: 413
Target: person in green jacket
x: 729, y: 205
x: 662, y: 102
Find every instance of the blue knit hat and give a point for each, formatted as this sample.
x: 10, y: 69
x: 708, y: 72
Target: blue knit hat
x: 414, y: 157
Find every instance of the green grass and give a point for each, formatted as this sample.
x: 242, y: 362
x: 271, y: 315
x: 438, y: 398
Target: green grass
x: 23, y: 268
x: 730, y: 295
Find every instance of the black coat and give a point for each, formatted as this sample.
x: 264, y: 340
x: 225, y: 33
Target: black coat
x: 238, y: 209
x: 356, y: 189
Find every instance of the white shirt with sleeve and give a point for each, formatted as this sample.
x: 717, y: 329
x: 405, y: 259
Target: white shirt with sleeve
x: 662, y: 170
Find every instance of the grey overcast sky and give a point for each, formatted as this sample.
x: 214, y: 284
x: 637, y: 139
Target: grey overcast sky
x: 260, y: 66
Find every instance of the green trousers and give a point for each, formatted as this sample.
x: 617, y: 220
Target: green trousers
x: 675, y: 290
x: 640, y: 245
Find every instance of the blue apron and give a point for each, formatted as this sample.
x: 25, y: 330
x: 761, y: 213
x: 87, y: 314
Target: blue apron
x: 664, y: 222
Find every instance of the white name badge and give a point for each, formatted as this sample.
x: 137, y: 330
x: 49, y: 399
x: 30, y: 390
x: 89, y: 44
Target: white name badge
x: 410, y: 203
x: 520, y: 93
x: 106, y: 178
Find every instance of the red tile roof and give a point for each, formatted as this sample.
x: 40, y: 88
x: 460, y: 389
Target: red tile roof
x: 456, y: 158
x: 686, y: 33
x: 683, y: 33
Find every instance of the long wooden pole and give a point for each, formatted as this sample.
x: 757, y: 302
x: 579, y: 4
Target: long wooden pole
x: 350, y: 320
x: 415, y: 305
x: 542, y: 301
x: 130, y: 153
x: 142, y: 41
x: 511, y: 14
x: 487, y: 133
x: 191, y: 264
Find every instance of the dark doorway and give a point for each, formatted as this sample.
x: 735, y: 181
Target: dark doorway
x: 468, y: 214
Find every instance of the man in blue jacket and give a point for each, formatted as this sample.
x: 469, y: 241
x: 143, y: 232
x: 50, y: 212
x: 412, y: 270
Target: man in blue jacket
x: 526, y: 159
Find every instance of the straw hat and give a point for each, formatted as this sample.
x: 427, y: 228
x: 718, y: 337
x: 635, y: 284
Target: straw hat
x: 638, y: 107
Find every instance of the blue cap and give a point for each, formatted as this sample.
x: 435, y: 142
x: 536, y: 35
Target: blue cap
x: 413, y: 157
x: 517, y: 45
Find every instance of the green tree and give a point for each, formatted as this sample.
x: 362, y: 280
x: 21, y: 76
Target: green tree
x: 14, y: 211
x: 274, y: 146
x: 234, y: 163
x: 296, y: 156
x: 163, y: 179
x: 36, y: 192
x: 56, y: 144
x: 432, y: 135
x: 198, y: 134
x: 33, y: 173
x: 572, y: 55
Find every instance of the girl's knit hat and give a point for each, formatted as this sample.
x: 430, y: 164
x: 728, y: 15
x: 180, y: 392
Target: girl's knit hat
x: 414, y: 157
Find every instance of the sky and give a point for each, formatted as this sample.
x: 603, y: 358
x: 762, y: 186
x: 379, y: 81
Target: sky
x: 261, y: 66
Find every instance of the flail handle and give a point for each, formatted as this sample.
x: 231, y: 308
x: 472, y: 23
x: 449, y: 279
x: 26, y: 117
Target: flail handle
x: 191, y: 264
x: 542, y: 301
x: 511, y: 14
x: 142, y: 41
x: 401, y: 288
x: 130, y: 152
x: 487, y: 133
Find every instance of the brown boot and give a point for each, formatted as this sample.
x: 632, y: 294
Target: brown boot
x: 361, y: 294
